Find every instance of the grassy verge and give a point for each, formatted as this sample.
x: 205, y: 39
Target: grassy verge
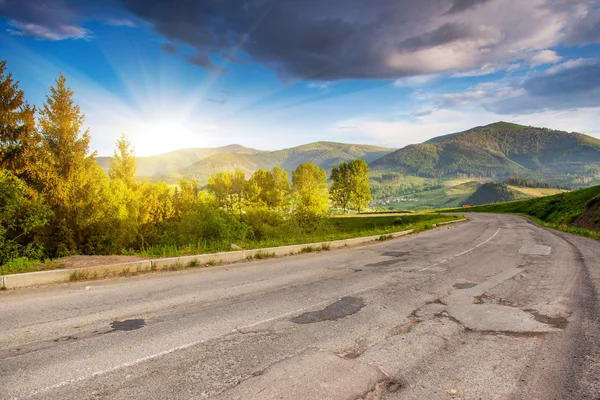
x: 557, y: 211
x: 332, y: 228
x: 23, y: 264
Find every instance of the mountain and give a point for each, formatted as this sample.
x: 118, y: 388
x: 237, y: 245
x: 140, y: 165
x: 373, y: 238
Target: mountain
x: 324, y: 154
x: 500, y: 150
x: 174, y: 160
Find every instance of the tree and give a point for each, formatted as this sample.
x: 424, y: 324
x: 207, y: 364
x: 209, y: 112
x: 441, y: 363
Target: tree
x: 309, y: 186
x: 155, y: 207
x: 360, y: 194
x: 186, y: 197
x: 340, y: 190
x: 282, y: 189
x: 261, y: 189
x: 239, y: 190
x: 19, y: 139
x: 220, y: 185
x: 73, y: 184
x: 22, y: 216
x: 122, y: 165
x: 66, y: 147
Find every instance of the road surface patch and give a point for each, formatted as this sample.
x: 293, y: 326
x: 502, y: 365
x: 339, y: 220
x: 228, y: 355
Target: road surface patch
x: 464, y: 285
x: 128, y: 325
x: 342, y: 308
x: 535, y: 250
x: 497, y: 318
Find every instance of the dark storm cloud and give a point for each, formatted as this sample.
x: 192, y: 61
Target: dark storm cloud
x: 331, y: 40
x: 328, y: 40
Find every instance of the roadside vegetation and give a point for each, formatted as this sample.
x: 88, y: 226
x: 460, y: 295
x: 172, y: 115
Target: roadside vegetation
x: 56, y: 201
x: 575, y: 212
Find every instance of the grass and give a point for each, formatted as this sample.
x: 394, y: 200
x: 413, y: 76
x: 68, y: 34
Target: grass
x: 333, y: 228
x: 261, y: 255
x: 79, y: 275
x: 387, y: 212
x: 557, y: 211
x: 383, y: 238
x: 23, y: 264
x: 527, y: 193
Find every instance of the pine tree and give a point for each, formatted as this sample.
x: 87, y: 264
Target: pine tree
x: 122, y: 166
x: 19, y: 139
x: 73, y: 184
x: 61, y: 120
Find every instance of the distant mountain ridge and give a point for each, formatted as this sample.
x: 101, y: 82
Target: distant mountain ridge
x: 175, y: 160
x: 499, y: 150
x: 324, y: 154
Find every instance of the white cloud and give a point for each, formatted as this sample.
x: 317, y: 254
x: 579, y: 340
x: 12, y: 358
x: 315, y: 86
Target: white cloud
x: 485, y: 69
x: 577, y: 62
x: 412, y: 81
x: 323, y: 87
x: 42, y: 32
x: 120, y: 22
x: 545, y: 57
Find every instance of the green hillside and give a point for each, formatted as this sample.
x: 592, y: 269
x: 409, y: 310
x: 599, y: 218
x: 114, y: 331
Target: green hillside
x: 175, y: 160
x: 575, y: 210
x: 324, y: 154
x: 500, y: 150
x: 490, y: 193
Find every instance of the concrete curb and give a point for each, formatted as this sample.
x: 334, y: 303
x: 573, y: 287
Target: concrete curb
x: 174, y: 263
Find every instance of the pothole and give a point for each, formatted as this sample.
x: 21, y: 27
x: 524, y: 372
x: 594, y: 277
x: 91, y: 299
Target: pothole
x: 557, y: 322
x: 342, y: 308
x: 385, y: 263
x: 128, y: 324
x: 464, y: 285
x: 396, y: 253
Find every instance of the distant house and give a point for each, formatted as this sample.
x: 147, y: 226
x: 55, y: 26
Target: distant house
x: 467, y: 206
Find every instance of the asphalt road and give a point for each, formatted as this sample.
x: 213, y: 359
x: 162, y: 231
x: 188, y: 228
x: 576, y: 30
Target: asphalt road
x: 495, y: 308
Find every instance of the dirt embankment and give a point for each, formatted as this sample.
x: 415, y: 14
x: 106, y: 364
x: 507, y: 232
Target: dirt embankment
x: 72, y: 262
x: 590, y: 218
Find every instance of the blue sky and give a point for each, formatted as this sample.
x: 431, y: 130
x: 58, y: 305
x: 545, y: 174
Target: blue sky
x: 275, y: 74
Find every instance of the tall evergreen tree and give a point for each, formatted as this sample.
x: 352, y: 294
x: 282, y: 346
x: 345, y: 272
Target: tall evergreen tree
x: 66, y: 147
x: 122, y: 166
x: 74, y: 185
x: 19, y: 139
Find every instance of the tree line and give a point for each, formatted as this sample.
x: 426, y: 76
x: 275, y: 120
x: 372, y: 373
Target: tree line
x: 55, y: 200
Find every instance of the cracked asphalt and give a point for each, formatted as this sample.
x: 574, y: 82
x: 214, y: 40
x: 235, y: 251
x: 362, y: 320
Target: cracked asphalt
x: 494, y: 308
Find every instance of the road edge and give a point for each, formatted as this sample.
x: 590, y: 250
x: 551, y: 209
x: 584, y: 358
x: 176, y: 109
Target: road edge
x: 28, y: 279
